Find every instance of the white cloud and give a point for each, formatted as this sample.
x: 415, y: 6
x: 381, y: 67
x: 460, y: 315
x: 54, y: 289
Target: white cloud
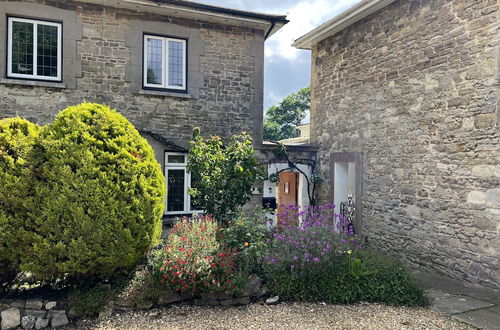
x: 303, y: 16
x: 273, y: 98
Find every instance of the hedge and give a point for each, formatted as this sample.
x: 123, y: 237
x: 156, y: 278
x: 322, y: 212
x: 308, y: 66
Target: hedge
x: 101, y: 192
x: 17, y: 137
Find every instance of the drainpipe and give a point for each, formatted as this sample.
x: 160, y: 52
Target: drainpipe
x: 273, y: 23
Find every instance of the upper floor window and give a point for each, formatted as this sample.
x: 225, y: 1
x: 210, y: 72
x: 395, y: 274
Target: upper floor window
x: 34, y: 49
x: 164, y: 63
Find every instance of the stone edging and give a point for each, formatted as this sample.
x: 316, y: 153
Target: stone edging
x: 32, y: 314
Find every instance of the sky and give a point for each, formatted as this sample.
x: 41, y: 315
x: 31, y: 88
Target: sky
x: 287, y: 69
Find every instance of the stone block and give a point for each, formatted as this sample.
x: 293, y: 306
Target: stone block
x: 168, y: 297
x: 11, y: 318
x: 39, y: 313
x: 454, y: 304
x: 253, y: 286
x: 273, y: 300
x: 41, y: 323
x: 484, y: 121
x: 58, y: 320
x: 34, y: 304
x: 206, y: 302
x: 493, y: 198
x: 28, y: 322
x: 228, y: 302
x: 216, y: 295
x: 242, y: 300
x: 476, y: 197
x: 50, y: 305
x: 19, y: 303
x: 107, y: 312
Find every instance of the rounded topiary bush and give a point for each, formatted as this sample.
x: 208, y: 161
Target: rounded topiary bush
x: 17, y: 137
x: 100, y: 193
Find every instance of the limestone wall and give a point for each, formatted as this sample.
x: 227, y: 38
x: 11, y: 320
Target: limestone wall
x: 102, y: 62
x: 415, y: 88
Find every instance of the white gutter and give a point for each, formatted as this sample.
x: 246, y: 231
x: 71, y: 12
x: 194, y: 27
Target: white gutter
x: 340, y: 22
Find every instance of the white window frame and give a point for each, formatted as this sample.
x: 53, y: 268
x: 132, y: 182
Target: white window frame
x: 35, y: 23
x: 165, y: 72
x: 187, y: 183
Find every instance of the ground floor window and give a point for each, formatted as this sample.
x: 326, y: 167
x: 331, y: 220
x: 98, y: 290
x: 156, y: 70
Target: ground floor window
x: 178, y: 179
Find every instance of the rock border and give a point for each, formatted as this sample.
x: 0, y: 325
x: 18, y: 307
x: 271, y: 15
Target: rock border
x: 39, y: 313
x: 33, y: 313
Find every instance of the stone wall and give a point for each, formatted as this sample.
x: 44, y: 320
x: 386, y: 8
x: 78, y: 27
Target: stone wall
x: 102, y: 54
x: 34, y: 313
x: 415, y: 88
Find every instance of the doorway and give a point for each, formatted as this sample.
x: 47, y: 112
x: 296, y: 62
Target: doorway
x: 288, y: 191
x: 346, y: 182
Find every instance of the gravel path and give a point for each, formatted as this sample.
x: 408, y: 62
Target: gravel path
x: 282, y: 316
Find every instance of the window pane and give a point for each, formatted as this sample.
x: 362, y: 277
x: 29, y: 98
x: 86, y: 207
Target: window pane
x: 22, y: 47
x: 176, y: 159
x: 175, y: 63
x: 47, y: 50
x: 154, y: 65
x: 175, y: 190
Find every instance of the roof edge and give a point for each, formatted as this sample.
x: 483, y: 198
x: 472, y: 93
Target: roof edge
x: 225, y: 10
x: 340, y: 22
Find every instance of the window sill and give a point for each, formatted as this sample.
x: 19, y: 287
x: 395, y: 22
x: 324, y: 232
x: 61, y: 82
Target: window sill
x: 165, y: 94
x: 32, y: 83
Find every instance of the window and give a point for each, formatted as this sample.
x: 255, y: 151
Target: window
x: 178, y: 182
x: 164, y: 63
x: 34, y: 49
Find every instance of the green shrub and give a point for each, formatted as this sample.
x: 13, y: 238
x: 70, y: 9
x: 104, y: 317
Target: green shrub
x: 99, y: 195
x: 194, y: 259
x: 249, y: 235
x: 16, y: 141
x: 88, y: 298
x: 222, y: 176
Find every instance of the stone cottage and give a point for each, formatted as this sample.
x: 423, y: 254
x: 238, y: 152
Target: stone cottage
x: 166, y: 65
x: 406, y: 116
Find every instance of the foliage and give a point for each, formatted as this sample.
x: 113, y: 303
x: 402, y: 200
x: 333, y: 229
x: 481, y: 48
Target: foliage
x: 222, y: 176
x: 320, y: 260
x: 17, y: 137
x: 89, y: 301
x: 88, y: 298
x: 281, y: 120
x: 98, y: 195
x: 194, y: 259
x: 146, y: 284
x: 248, y: 234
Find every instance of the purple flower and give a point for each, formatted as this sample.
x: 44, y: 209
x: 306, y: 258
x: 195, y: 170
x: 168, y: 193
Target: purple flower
x: 315, y: 259
x: 292, y: 266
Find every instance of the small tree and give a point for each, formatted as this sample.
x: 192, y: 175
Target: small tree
x: 222, y: 176
x: 282, y: 119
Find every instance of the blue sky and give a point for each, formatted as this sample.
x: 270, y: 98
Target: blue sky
x: 286, y: 68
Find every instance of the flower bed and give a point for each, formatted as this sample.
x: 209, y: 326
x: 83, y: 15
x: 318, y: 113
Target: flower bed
x: 322, y: 260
